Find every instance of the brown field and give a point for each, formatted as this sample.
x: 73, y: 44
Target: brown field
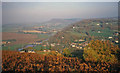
x: 33, y: 31
x: 20, y: 37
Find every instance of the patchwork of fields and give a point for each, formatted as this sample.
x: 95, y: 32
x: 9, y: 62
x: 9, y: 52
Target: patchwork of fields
x: 88, y: 45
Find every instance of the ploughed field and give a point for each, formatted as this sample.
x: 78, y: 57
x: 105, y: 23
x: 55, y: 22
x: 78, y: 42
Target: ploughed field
x: 19, y: 37
x: 15, y: 61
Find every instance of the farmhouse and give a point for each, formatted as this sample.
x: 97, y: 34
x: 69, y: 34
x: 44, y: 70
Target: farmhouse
x: 62, y: 37
x: 98, y: 24
x: 73, y: 27
x: 116, y: 41
x: 52, y: 44
x: 44, y: 50
x: 29, y: 51
x: 22, y: 51
x: 36, y: 43
x: 102, y: 39
x: 81, y: 47
x: 73, y: 45
x: 106, y: 23
x: 4, y: 42
x: 99, y: 32
x: 110, y: 37
x: 81, y: 40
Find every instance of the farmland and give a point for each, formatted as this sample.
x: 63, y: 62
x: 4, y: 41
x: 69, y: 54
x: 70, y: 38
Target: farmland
x: 17, y: 40
x: 32, y: 31
x: 60, y: 37
x: 20, y: 38
x: 19, y: 35
x: 87, y: 45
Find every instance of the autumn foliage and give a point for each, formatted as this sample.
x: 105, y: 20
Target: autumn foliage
x: 15, y: 61
x: 101, y: 51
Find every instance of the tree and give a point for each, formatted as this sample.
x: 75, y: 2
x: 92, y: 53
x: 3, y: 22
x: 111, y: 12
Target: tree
x: 66, y: 52
x: 101, y: 51
x: 29, y: 48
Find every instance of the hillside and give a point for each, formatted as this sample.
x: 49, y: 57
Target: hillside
x: 79, y: 34
x: 88, y: 45
x: 55, y: 25
x: 13, y: 61
x: 15, y: 35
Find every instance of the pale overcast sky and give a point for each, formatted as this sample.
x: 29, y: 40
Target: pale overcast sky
x: 36, y: 12
x: 60, y: 0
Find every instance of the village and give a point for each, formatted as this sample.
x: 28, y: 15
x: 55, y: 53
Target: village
x: 76, y: 44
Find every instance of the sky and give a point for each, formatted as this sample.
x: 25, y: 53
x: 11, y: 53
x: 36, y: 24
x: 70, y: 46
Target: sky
x: 37, y: 12
x: 60, y: 0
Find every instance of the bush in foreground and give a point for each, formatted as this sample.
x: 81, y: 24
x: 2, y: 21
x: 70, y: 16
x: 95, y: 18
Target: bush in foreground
x: 15, y: 61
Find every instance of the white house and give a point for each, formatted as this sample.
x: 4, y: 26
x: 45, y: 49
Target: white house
x: 98, y: 24
x: 52, y: 45
x: 81, y: 40
x: 99, y: 32
x: 63, y: 37
x: 73, y: 45
x: 116, y: 41
x: 80, y: 47
x: 110, y: 37
x: 44, y: 50
x: 73, y: 27
x: 22, y: 51
x: 106, y: 23
x: 30, y: 51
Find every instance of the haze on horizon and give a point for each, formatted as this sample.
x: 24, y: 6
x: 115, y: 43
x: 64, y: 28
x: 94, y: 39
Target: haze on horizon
x: 37, y: 12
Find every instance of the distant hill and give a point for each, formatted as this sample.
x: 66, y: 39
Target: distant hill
x: 87, y: 30
x: 58, y: 20
x: 58, y: 24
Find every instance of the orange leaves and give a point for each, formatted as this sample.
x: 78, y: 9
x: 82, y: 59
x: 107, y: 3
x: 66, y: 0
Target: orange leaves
x: 35, y: 62
x: 102, y: 51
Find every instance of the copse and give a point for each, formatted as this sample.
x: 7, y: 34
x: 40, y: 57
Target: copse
x: 101, y: 51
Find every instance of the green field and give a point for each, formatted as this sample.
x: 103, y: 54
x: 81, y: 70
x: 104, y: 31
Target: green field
x: 104, y: 33
x: 13, y: 47
x: 40, y: 47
